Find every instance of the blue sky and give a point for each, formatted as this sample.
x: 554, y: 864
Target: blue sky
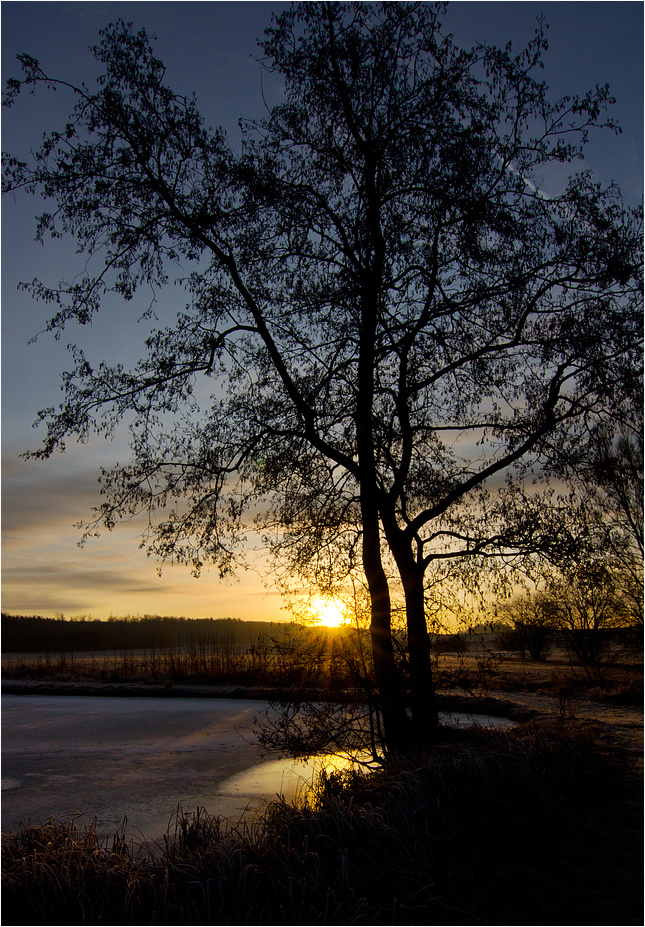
x: 207, y: 47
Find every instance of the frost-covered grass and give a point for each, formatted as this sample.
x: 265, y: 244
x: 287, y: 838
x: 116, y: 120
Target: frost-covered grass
x: 535, y: 826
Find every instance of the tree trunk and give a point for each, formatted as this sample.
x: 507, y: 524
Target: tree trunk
x: 396, y: 724
x: 425, y: 719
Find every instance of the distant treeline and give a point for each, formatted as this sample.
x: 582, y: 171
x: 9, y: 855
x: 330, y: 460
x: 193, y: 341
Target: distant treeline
x: 36, y: 634
x: 187, y: 650
x: 172, y: 650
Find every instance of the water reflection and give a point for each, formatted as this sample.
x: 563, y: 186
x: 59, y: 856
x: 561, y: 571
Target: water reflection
x: 139, y: 758
x: 248, y: 792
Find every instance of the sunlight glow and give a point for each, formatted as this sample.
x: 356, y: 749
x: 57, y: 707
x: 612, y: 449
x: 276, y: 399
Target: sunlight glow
x: 329, y: 612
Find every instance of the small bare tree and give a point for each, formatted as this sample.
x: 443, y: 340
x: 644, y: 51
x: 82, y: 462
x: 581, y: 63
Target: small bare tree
x: 534, y: 619
x: 587, y: 606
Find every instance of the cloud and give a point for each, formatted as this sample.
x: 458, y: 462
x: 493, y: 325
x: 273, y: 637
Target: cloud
x: 44, y: 571
x: 130, y: 586
x: 46, y: 500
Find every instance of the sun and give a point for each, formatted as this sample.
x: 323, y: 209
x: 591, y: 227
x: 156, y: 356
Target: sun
x: 329, y: 612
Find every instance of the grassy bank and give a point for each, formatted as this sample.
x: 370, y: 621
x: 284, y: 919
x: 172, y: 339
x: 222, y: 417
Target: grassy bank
x: 537, y: 826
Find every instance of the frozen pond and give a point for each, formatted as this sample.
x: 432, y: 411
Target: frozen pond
x: 119, y: 757
x: 139, y: 758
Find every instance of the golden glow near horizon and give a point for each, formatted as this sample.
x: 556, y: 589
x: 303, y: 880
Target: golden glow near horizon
x: 329, y: 612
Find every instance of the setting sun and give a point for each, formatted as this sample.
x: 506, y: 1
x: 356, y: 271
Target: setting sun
x: 329, y: 612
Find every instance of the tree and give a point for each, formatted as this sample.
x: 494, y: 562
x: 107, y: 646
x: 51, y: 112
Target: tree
x: 612, y: 506
x: 587, y: 605
x: 394, y: 313
x: 603, y: 587
x: 533, y: 617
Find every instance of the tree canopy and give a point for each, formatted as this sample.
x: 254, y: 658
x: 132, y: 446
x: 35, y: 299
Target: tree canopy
x: 401, y: 328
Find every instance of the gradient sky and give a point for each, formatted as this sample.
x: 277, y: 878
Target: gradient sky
x: 207, y: 47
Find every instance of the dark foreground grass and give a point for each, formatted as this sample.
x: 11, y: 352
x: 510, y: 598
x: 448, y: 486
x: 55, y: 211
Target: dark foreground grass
x: 537, y: 826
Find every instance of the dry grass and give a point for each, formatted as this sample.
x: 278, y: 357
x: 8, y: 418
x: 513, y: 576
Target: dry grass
x: 539, y: 826
x: 507, y: 671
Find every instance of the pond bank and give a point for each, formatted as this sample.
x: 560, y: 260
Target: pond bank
x: 499, y: 706
x: 542, y: 827
x: 139, y: 758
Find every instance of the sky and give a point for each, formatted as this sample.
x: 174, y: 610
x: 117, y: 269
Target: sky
x: 209, y: 48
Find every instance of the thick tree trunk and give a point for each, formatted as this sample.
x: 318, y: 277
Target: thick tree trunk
x: 425, y: 719
x: 396, y: 724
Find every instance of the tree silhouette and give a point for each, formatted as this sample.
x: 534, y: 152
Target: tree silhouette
x: 587, y: 604
x: 612, y: 506
x: 533, y: 617
x: 393, y: 312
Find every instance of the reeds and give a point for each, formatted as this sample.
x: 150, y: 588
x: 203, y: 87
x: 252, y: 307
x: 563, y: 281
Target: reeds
x: 487, y: 829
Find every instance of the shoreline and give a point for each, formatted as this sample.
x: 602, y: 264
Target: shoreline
x: 485, y: 704
x: 138, y: 689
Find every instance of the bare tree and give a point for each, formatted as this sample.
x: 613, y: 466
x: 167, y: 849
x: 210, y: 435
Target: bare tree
x: 612, y: 507
x: 533, y: 617
x: 587, y: 606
